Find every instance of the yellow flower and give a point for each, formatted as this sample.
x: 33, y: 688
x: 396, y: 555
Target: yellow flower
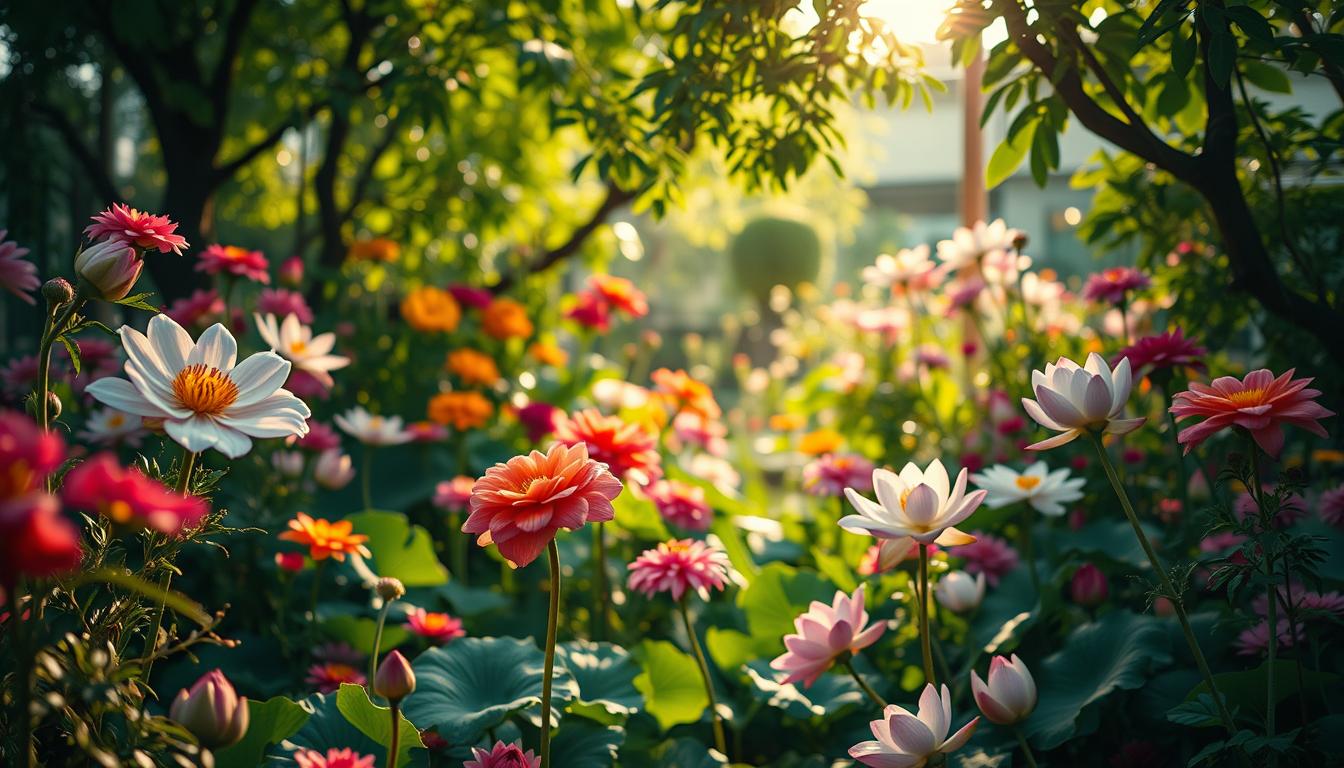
x: 431, y: 309
x: 506, y: 319
x: 460, y: 410
x: 787, y: 422
x: 547, y: 353
x: 376, y: 249
x: 820, y: 441
x: 473, y: 367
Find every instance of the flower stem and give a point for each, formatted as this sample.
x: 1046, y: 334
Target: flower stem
x: 924, y: 641
x: 1258, y: 494
x: 57, y: 320
x: 552, y: 620
x: 720, y: 743
x: 1026, y: 748
x: 1027, y: 549
x: 377, y: 648
x: 600, y: 589
x: 459, y: 547
x: 1177, y: 602
x: 396, y: 733
x: 183, y: 487
x: 868, y: 689
x: 23, y: 696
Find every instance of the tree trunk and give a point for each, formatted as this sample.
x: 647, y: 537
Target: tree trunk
x: 188, y: 199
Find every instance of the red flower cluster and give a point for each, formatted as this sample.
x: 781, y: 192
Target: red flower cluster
x: 126, y: 497
x: 629, y: 450
x: 35, y: 538
x: 607, y: 294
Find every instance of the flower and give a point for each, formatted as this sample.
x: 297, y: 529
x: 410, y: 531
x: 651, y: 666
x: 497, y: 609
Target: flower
x: 1254, y: 641
x: 831, y: 473
x: 706, y: 433
x: 1010, y: 694
x: 520, y: 505
x: 28, y: 454
x: 394, y: 680
x: 681, y: 504
x: 291, y: 562
x: 288, y: 463
x: 142, y: 230
x: 204, y: 400
x: 460, y: 410
x: 335, y: 758
x: 320, y: 437
x: 17, y: 275
x: 1114, y: 285
x: 427, y: 432
x: 970, y: 244
x: 1073, y: 399
x: 429, y: 309
x: 472, y: 367
x: 108, y: 426
x: 680, y: 565
x: 1260, y: 404
x: 538, y: 419
x: 381, y: 249
x: 908, y: 741
x: 327, y: 676
x: 915, y: 503
x: 1332, y: 506
x: 212, y: 711
x: 628, y: 449
x: 824, y: 633
x: 126, y: 497
x: 280, y: 302
x: 110, y: 266
x: 291, y: 274
x: 1291, y: 508
x: 1162, y: 352
x: 453, y: 495
x: 333, y: 469
x: 1088, y: 586
x: 590, y: 311
x: 959, y: 592
x: 820, y: 441
x: 233, y: 260
x: 909, y: 265
x: 621, y: 294
x: 326, y: 539
x: 506, y: 319
x: 438, y: 628
x: 295, y: 342
x: 372, y: 430
x: 478, y: 298
x: 36, y: 540
x: 1044, y: 490
x: 685, y: 393
x: 989, y: 555
x: 502, y: 756
x: 198, y: 309
x: 548, y: 354
x: 887, y: 554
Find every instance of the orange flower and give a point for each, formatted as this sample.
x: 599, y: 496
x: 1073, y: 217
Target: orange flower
x: 473, y: 367
x: 547, y: 353
x: 431, y: 309
x: 621, y: 294
x: 787, y: 422
x: 376, y: 249
x: 820, y: 441
x: 628, y: 450
x: 326, y: 539
x: 506, y: 319
x: 687, y: 394
x: 460, y: 410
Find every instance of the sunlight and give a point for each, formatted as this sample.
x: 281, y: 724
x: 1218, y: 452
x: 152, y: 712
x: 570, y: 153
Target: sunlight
x: 913, y: 21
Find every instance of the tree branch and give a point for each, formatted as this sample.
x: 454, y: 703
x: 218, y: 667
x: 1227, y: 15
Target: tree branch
x: 221, y: 81
x: 615, y: 198
x: 225, y: 171
x: 1307, y: 26
x: 95, y: 168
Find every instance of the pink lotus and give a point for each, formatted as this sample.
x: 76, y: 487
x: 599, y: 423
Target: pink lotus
x: 678, y: 566
x: 502, y: 756
x: 143, y: 230
x: 1261, y: 404
x: 214, y: 713
x: 335, y: 758
x: 17, y: 274
x: 1009, y: 696
x: 453, y: 495
x: 824, y: 633
x: 905, y: 740
x: 438, y: 628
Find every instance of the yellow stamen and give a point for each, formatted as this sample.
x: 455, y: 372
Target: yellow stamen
x: 115, y: 420
x: 298, y: 346
x: 1247, y: 397
x: 1027, y: 482
x: 204, y: 389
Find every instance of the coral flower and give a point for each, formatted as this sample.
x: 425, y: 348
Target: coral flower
x: 681, y: 504
x: 825, y: 632
x: 905, y: 740
x: 1113, y: 285
x: 460, y: 410
x: 126, y: 497
x: 502, y: 756
x: 27, y: 454
x: 1167, y: 350
x: 473, y: 368
x: 429, y: 309
x: 621, y: 294
x: 920, y: 504
x: 831, y: 473
x: 820, y: 441
x: 520, y: 505
x: 35, y: 539
x: 629, y: 450
x: 678, y: 566
x: 143, y: 230
x: 17, y: 275
x: 280, y: 302
x: 506, y: 319
x: 1260, y: 404
x: 381, y: 249
x: 335, y: 758
x: 453, y: 495
x: 236, y: 261
x: 438, y: 628
x: 686, y: 394
x: 326, y: 539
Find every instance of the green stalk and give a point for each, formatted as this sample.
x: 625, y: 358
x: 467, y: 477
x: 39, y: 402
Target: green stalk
x: 1258, y: 494
x: 600, y: 589
x: 183, y: 487
x: 720, y: 743
x: 24, y: 695
x: 1027, y: 550
x: 377, y: 648
x: 366, y: 482
x: 1026, y: 748
x: 396, y: 733
x: 459, y: 547
x: 868, y: 689
x: 56, y: 324
x: 924, y: 640
x: 552, y: 622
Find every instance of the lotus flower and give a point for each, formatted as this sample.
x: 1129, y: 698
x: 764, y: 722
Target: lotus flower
x: 905, y: 740
x: 916, y: 504
x: 824, y: 633
x: 212, y: 711
x: 1010, y: 695
x: 959, y: 592
x: 394, y: 680
x: 1073, y: 399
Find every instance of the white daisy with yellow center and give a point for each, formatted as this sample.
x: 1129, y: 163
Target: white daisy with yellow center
x: 373, y: 430
x: 204, y: 400
x: 108, y: 426
x: 1047, y: 492
x: 295, y: 342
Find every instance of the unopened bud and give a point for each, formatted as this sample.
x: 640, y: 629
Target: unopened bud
x: 389, y: 588
x: 394, y: 680
x: 58, y: 291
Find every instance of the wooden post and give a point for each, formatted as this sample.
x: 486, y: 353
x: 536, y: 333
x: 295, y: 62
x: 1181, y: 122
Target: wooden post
x: 974, y: 203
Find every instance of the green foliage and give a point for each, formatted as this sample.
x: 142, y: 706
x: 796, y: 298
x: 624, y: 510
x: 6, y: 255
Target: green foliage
x: 775, y: 251
x: 269, y: 722
x: 670, y: 682
x: 832, y: 695
x: 400, y: 550
x: 605, y: 676
x: 334, y: 723
x: 376, y: 722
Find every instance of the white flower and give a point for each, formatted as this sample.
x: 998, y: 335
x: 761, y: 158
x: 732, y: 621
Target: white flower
x: 205, y: 401
x: 908, y: 741
x: 373, y: 430
x: 906, y: 265
x: 969, y: 245
x: 1072, y: 399
x: 915, y: 504
x: 288, y: 463
x: 1010, y: 695
x: 959, y: 592
x: 333, y: 470
x: 109, y: 425
x: 295, y: 342
x: 1045, y: 491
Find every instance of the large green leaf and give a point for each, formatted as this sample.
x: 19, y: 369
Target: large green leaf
x: 1112, y: 538
x: 1245, y: 690
x: 777, y: 595
x: 673, y: 691
x: 476, y: 683
x: 729, y: 648
x: 400, y: 549
x: 1006, y: 613
x: 1116, y: 652
x: 329, y: 728
x: 605, y: 674
x: 581, y: 743
x: 376, y: 722
x: 829, y: 696
x: 269, y: 722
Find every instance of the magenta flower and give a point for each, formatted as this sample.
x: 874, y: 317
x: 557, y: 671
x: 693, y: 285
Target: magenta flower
x: 1170, y: 349
x: 1332, y: 507
x: 198, y: 310
x: 17, y: 274
x: 471, y: 296
x: 678, y: 566
x: 143, y: 230
x: 233, y: 260
x: 335, y: 758
x: 824, y: 633
x: 989, y: 555
x: 1114, y: 285
x: 327, y: 677
x: 1261, y: 404
x: 831, y: 473
x: 1088, y: 587
x: 1291, y: 510
x: 502, y: 756
x: 681, y: 504
x: 281, y: 303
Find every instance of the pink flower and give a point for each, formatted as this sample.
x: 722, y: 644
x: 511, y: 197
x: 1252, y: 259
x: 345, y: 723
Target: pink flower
x: 1291, y: 509
x: 233, y: 260
x: 290, y: 562
x: 143, y: 230
x: 1162, y: 352
x: 963, y: 293
x: 1088, y: 587
x: 453, y: 495
x: 887, y: 554
x: 502, y: 756
x: 680, y: 565
x: 989, y: 555
x: 521, y: 505
x: 19, y: 377
x: 111, y: 266
x: 426, y: 432
x: 321, y: 437
x: 438, y: 628
x: 306, y: 386
x: 1115, y: 284
x: 17, y: 275
x: 906, y: 740
x: 538, y: 419
x: 1332, y: 506
x: 681, y: 504
x: 291, y: 274
x: 471, y: 296
x: 1254, y: 641
x: 27, y: 454
x: 328, y: 676
x: 1260, y: 404
x: 831, y: 473
x: 214, y: 713
x: 335, y: 758
x: 126, y: 497
x: 628, y: 449
x: 281, y: 303
x: 825, y: 632
x: 200, y: 309
x: 590, y: 311
x: 35, y: 539
x: 695, y: 429
x: 1009, y: 695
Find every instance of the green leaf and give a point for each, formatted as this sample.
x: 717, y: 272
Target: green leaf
x: 777, y: 596
x: 729, y: 648
x: 1005, y: 615
x: 1245, y: 690
x: 605, y: 674
x: 475, y: 683
x: 670, y: 682
x: 400, y: 550
x: 359, y: 632
x: 1008, y: 156
x: 72, y: 349
x: 376, y: 722
x: 1267, y: 77
x: 1222, y: 56
x: 328, y: 727
x: 831, y: 695
x: 269, y: 722
x: 138, y: 301
x: 177, y: 601
x: 581, y: 743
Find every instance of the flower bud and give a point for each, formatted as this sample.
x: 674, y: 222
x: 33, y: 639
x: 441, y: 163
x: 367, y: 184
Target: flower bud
x: 389, y: 588
x: 211, y: 711
x: 1088, y: 587
x: 288, y: 463
x: 1009, y: 696
x: 1020, y: 241
x: 58, y: 291
x: 959, y: 592
x: 333, y: 470
x: 291, y: 272
x: 394, y: 680
x: 111, y: 267
x: 54, y: 405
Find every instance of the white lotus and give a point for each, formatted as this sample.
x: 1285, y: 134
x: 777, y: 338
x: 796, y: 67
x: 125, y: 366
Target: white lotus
x: 1073, y: 399
x: 1047, y: 492
x: 918, y: 504
x: 373, y: 430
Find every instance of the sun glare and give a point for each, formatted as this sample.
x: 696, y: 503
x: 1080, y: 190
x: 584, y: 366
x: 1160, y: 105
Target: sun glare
x: 913, y: 21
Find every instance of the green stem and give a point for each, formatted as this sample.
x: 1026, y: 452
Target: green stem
x: 924, y: 641
x: 720, y: 743
x: 24, y: 660
x: 396, y: 733
x: 1257, y: 492
x: 377, y: 647
x: 1026, y: 748
x: 600, y: 589
x: 56, y: 324
x: 868, y: 689
x: 1178, y: 455
x: 552, y: 622
x: 183, y: 487
x: 459, y: 547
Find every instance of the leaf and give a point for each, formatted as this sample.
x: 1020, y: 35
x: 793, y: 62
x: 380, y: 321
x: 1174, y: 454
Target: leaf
x: 1116, y: 652
x: 830, y: 695
x: 329, y: 728
x: 138, y: 301
x: 729, y: 648
x: 475, y: 683
x: 775, y: 598
x: 72, y: 349
x: 1222, y: 56
x: 400, y: 550
x: 1267, y: 77
x: 1008, y: 156
x: 581, y: 743
x: 671, y: 684
x: 1245, y: 690
x: 605, y: 674
x: 359, y: 632
x: 177, y: 601
x: 376, y: 722
x: 1006, y: 613
x: 269, y: 722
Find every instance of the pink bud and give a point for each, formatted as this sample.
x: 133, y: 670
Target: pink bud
x: 211, y: 711
x: 111, y: 266
x: 1088, y: 587
x: 394, y: 680
x: 291, y: 272
x: 289, y: 561
x: 1009, y: 694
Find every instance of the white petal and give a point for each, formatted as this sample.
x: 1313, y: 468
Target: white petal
x: 122, y: 395
x: 171, y: 341
x: 279, y: 415
x: 201, y: 432
x: 216, y: 348
x: 258, y: 377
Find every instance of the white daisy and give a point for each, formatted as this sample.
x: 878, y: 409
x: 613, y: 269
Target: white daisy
x: 109, y: 426
x: 205, y: 401
x: 1044, y: 490
x: 295, y: 342
x: 970, y: 244
x: 906, y: 265
x: 373, y: 430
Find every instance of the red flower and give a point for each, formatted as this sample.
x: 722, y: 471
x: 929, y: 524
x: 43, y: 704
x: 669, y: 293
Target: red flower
x: 27, y: 454
x: 35, y: 539
x: 591, y: 311
x: 1115, y: 284
x: 629, y: 450
x: 521, y: 505
x: 470, y: 296
x: 143, y: 230
x: 1261, y: 404
x: 538, y: 418
x: 1166, y: 350
x: 621, y: 294
x: 327, y: 677
x: 127, y: 497
x: 230, y: 259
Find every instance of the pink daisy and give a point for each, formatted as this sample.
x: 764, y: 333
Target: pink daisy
x: 335, y: 758
x: 680, y: 565
x: 1170, y: 349
x: 17, y: 274
x: 438, y: 628
x: 143, y: 230
x: 1113, y: 285
x: 681, y: 504
x: 233, y: 260
x: 327, y: 677
x: 1260, y: 404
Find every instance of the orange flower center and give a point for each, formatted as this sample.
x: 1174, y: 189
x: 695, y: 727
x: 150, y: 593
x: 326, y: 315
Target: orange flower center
x: 1027, y: 482
x: 298, y: 346
x: 1247, y: 397
x: 905, y: 496
x: 115, y: 420
x: 204, y: 389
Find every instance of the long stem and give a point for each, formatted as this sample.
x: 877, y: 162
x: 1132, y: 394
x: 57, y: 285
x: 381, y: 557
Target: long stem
x: 924, y: 641
x: 183, y: 487
x: 720, y: 743
x: 377, y: 647
x: 1178, y: 604
x: 868, y: 689
x: 1026, y: 748
x: 600, y: 589
x: 1178, y: 455
x: 56, y: 323
x: 552, y: 621
x: 1257, y: 492
x: 459, y: 547
x: 396, y: 734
